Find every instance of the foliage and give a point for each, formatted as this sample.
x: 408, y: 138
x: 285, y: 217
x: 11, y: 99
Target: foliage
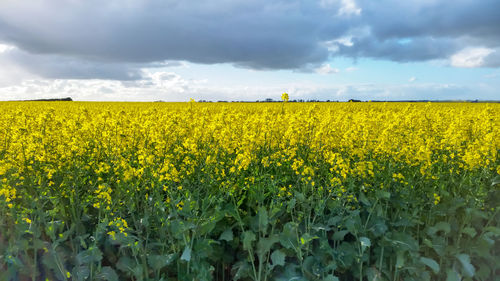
x: 176, y: 191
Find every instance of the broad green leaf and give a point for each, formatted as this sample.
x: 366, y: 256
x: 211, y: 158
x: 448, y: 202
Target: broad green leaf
x: 291, y: 273
x: 468, y: 268
x: 353, y: 224
x: 331, y: 278
x: 378, y: 227
x: 157, y: 262
x: 186, y: 254
x: 493, y: 229
x: 440, y: 226
x: 452, y: 275
x: 383, y: 194
x: 333, y: 221
x: 248, y: 238
x: 469, y: 231
x: 107, y: 273
x: 339, y: 235
x: 430, y: 263
x: 227, y: 235
x: 483, y: 272
x: 362, y: 198
x: 278, y: 258
x: 126, y: 264
x: 207, y: 227
x: 264, y: 245
x: 243, y: 269
x: 306, y: 238
x: 365, y: 243
x: 495, y: 181
x: 288, y: 238
x: 404, y: 241
x: 93, y: 254
x: 372, y: 274
x: 400, y: 259
x: 263, y: 219
x: 81, y: 272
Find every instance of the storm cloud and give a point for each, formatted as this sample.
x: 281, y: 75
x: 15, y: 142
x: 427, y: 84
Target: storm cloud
x: 114, y: 39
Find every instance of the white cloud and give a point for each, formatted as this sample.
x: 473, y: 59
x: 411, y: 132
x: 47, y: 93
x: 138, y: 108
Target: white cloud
x: 5, y: 48
x: 412, y: 79
x: 326, y: 69
x: 348, y: 8
x: 351, y: 69
x: 471, y: 57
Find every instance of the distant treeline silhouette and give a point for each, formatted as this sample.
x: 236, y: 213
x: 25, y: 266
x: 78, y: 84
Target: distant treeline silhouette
x: 61, y: 99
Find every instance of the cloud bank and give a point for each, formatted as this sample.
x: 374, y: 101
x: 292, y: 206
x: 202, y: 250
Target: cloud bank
x: 114, y: 39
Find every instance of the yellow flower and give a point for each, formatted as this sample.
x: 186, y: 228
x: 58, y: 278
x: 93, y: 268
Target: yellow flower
x: 437, y: 199
x: 180, y: 205
x: 284, y: 97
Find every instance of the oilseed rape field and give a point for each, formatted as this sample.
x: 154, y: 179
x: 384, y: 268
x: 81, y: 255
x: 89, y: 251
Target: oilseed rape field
x: 249, y: 191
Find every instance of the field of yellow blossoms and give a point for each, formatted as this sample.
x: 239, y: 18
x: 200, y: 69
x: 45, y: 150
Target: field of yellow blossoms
x: 249, y: 191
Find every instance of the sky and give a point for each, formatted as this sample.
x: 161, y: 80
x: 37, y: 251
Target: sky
x: 172, y: 50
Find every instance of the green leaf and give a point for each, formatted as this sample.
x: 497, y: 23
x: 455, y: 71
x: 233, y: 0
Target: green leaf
x: 186, y: 255
x: 207, y: 227
x: 468, y: 268
x: 264, y: 245
x: 365, y: 243
x: 242, y: 269
x: 263, y: 219
x: 81, y: 272
x: 440, y: 226
x: 278, y: 258
x: 452, y: 275
x: 372, y: 274
x: 291, y: 273
x: 126, y: 264
x: 331, y: 278
x: 248, y: 238
x: 430, y: 263
x: 306, y: 238
x: 383, y: 194
x: 495, y: 181
x: 362, y: 198
x: 288, y: 238
x: 353, y: 224
x: 227, y: 235
x: 107, y: 273
x: 404, y: 241
x: 492, y: 229
x: 469, y: 231
x: 339, y: 235
x: 93, y: 254
x: 400, y: 259
x: 333, y: 221
x: 157, y: 262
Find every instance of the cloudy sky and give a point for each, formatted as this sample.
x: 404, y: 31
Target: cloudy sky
x: 173, y: 50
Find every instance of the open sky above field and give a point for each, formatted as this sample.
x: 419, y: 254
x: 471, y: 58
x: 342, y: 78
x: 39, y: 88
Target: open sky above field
x: 172, y: 50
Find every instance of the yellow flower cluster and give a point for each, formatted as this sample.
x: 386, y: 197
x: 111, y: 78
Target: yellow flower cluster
x: 122, y: 143
x: 120, y: 225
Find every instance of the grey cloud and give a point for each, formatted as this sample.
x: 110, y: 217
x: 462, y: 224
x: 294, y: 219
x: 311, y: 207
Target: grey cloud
x: 417, y: 49
x: 117, y: 36
x: 257, y: 34
x: 431, y: 29
x: 399, y: 19
x: 69, y: 67
x: 493, y: 59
